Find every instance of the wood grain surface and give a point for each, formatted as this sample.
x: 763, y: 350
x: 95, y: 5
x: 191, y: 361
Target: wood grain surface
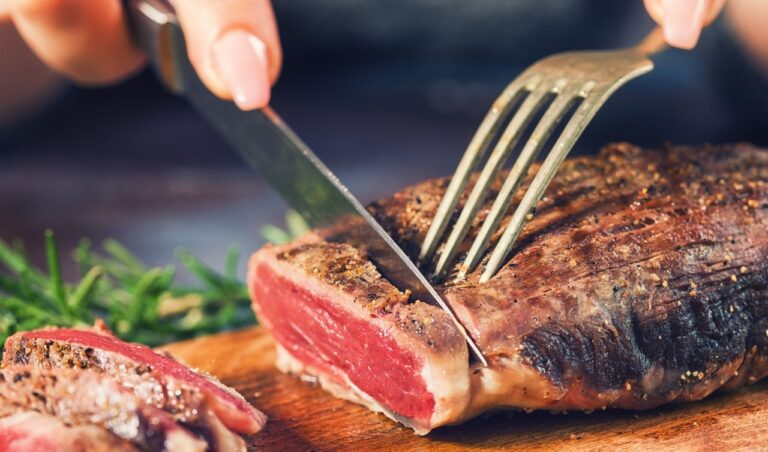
x: 304, y: 417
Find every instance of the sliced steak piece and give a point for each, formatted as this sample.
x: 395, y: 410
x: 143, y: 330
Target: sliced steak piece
x: 82, y: 397
x: 30, y: 431
x: 140, y: 368
x: 334, y: 317
x: 642, y: 279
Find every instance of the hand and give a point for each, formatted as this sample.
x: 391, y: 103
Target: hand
x: 233, y: 44
x: 748, y: 19
x: 683, y: 20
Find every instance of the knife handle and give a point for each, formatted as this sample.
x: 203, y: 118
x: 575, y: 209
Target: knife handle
x: 154, y: 28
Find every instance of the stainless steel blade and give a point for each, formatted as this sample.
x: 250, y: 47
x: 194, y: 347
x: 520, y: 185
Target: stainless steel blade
x: 271, y: 147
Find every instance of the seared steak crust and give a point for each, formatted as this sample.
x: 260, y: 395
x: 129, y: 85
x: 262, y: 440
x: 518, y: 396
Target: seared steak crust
x: 188, y: 395
x: 641, y: 279
x: 82, y: 397
x: 90, y: 376
x: 341, y: 265
x: 185, y: 403
x: 347, y: 269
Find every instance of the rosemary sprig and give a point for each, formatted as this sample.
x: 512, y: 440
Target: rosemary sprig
x: 296, y: 226
x: 140, y: 303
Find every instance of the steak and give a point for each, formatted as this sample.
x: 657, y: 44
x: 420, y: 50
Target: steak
x: 81, y: 397
x: 32, y: 431
x: 171, y: 386
x: 641, y: 279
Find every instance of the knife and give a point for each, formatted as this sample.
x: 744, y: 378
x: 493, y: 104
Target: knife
x: 271, y: 147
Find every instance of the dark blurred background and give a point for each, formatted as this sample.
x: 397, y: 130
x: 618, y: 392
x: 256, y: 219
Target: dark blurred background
x: 387, y: 93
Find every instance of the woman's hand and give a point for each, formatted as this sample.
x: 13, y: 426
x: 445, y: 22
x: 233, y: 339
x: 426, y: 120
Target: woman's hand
x: 749, y: 21
x: 683, y: 20
x: 233, y: 44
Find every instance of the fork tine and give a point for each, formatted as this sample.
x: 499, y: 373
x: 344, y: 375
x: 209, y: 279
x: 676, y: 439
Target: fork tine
x: 501, y: 151
x: 476, y: 149
x: 564, y: 144
x: 548, y: 123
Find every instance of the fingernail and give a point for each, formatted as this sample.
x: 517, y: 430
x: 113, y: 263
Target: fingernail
x: 683, y: 20
x: 240, y: 59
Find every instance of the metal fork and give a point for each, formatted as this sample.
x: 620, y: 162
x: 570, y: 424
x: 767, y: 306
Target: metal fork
x: 574, y: 81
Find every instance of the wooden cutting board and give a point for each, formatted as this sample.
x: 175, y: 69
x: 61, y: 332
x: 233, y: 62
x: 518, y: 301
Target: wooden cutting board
x: 302, y: 416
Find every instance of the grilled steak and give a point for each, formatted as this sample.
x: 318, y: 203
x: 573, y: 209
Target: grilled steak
x: 82, y: 397
x: 642, y: 279
x: 170, y: 385
x: 32, y: 431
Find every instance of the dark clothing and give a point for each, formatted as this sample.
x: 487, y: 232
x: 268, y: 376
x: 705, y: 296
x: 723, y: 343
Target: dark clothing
x: 436, y: 65
x: 417, y: 51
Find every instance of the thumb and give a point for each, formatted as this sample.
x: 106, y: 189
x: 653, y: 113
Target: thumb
x: 234, y: 47
x: 683, y: 20
x: 86, y: 41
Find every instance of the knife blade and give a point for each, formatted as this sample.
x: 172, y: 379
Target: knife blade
x: 281, y: 157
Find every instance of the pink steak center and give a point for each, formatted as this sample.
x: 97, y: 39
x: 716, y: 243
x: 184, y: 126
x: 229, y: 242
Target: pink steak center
x: 318, y: 333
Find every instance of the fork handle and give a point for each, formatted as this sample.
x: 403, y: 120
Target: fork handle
x: 653, y: 42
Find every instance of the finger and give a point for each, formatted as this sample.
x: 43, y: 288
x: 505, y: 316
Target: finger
x: 683, y: 19
x: 5, y: 13
x: 86, y: 41
x: 234, y: 46
x: 747, y: 20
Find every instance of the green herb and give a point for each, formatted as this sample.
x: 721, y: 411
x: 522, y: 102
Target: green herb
x: 139, y: 303
x: 296, y: 226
